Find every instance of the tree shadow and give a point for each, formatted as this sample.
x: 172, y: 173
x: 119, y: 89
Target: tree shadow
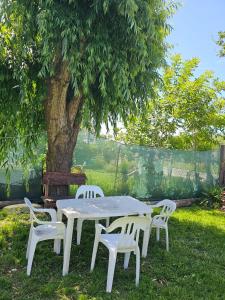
x: 193, y: 269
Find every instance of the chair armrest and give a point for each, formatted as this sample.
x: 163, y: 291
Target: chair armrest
x: 156, y: 217
x: 161, y: 216
x: 99, y: 228
x: 156, y: 205
x: 40, y: 222
x: 50, y: 211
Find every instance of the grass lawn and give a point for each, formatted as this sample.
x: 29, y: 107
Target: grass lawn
x: 103, y: 179
x: 193, y: 269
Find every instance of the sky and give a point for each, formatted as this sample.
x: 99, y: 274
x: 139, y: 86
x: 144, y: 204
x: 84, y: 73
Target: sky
x: 195, y: 31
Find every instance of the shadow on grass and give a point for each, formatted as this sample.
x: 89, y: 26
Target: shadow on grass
x: 193, y: 269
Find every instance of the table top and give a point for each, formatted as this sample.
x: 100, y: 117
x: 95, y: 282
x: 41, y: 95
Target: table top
x: 113, y: 206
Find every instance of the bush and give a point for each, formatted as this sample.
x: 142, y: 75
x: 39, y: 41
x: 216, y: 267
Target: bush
x: 212, y: 198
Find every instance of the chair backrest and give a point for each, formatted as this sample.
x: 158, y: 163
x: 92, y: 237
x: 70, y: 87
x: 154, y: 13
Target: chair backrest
x: 33, y: 218
x: 130, y: 226
x: 168, y: 207
x: 89, y: 191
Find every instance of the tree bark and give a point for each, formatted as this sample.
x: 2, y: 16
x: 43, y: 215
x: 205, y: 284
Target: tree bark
x: 63, y: 124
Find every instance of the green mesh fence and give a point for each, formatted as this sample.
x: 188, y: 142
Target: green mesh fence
x: 20, y: 185
x: 139, y: 171
x: 146, y: 172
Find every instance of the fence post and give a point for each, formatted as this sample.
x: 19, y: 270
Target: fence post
x: 117, y: 164
x: 222, y: 166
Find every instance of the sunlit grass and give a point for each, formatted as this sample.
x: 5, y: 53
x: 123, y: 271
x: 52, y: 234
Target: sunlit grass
x: 104, y: 179
x: 193, y: 269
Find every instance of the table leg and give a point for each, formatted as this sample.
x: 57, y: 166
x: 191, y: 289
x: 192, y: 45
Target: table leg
x: 146, y: 238
x: 67, y: 249
x: 145, y: 243
x: 57, y: 243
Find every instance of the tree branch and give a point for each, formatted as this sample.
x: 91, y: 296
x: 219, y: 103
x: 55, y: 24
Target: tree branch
x: 72, y: 108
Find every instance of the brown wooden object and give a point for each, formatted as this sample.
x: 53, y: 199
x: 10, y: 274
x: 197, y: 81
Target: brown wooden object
x: 222, y: 166
x: 59, y: 179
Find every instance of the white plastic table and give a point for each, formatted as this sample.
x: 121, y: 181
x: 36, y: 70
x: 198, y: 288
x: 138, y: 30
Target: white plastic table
x: 102, y: 207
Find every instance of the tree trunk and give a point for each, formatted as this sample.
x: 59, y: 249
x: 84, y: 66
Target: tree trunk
x: 63, y: 124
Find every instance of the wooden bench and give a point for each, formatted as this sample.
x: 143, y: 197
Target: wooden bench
x: 59, y: 179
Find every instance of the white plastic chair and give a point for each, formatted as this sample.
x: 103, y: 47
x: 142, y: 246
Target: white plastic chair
x: 45, y: 230
x: 88, y: 192
x: 161, y: 221
x: 125, y: 242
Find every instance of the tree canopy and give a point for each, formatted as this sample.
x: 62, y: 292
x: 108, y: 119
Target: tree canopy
x: 66, y: 61
x: 221, y: 43
x: 188, y: 112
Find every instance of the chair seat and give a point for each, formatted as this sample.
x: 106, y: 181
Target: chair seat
x: 158, y: 223
x: 49, y: 230
x: 125, y: 241
x: 118, y: 241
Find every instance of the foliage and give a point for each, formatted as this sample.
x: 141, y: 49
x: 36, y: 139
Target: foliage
x: 221, y: 43
x: 111, y: 50
x: 197, y: 250
x: 187, y: 114
x: 212, y: 198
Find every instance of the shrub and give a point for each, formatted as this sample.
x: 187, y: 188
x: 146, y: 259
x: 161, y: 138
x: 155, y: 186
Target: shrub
x: 212, y: 198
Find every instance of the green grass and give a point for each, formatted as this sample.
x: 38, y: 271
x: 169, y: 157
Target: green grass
x: 193, y: 269
x: 142, y: 186
x: 101, y: 178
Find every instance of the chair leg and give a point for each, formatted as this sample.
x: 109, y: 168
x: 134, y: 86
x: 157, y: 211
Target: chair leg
x: 137, y: 266
x: 31, y: 255
x: 79, y: 230
x: 111, y: 269
x: 167, y: 239
x: 57, y: 246
x: 28, y: 243
x: 57, y: 243
x: 94, y: 253
x: 150, y: 231
x: 67, y: 248
x: 126, y: 260
x: 64, y: 242
x: 146, y: 239
x: 157, y: 234
x: 107, y: 222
